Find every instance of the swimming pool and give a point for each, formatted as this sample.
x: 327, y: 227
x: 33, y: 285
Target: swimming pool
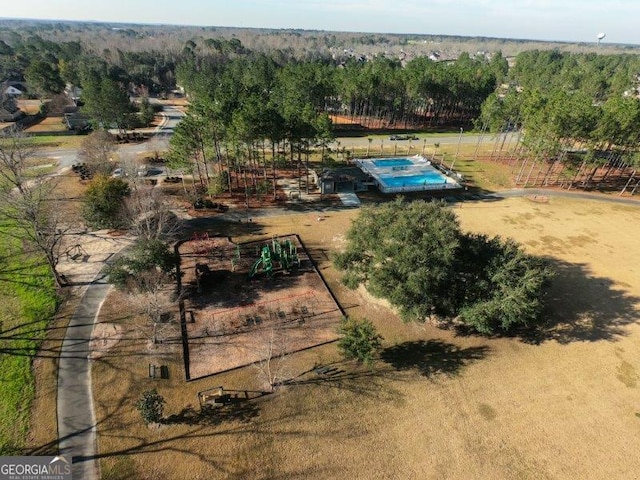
x: 422, y: 179
x: 392, y: 162
x: 406, y: 174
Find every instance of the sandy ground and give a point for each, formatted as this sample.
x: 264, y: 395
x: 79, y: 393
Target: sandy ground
x: 238, y: 321
x: 86, y: 253
x: 561, y: 404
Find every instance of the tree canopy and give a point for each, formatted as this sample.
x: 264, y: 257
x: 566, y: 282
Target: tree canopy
x: 104, y: 202
x: 416, y: 256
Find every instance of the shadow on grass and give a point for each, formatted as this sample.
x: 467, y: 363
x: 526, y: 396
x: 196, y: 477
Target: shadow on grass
x: 583, y: 307
x: 427, y: 357
x: 238, y: 410
x: 580, y: 307
x: 431, y: 357
x: 226, y: 226
x: 351, y: 377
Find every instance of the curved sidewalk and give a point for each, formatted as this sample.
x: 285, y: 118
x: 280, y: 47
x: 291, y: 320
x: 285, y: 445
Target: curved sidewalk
x: 76, y: 416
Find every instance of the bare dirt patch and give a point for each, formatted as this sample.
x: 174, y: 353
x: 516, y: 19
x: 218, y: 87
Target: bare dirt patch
x: 232, y: 313
x: 105, y: 336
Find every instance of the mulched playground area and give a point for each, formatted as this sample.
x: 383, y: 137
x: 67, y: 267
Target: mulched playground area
x: 246, y: 301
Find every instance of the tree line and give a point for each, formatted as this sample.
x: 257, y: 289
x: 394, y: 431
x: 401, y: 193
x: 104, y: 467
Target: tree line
x: 578, y: 114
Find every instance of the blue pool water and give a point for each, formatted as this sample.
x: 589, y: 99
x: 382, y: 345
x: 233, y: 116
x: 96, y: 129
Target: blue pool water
x: 392, y: 162
x: 405, y: 174
x: 424, y: 178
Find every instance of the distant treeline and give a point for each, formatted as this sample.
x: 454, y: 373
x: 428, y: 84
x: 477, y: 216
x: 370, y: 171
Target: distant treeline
x: 562, y: 101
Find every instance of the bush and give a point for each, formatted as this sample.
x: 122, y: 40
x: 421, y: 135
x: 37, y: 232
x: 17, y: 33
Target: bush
x: 359, y: 340
x: 151, y: 406
x: 148, y: 262
x: 218, y: 183
x: 104, y: 201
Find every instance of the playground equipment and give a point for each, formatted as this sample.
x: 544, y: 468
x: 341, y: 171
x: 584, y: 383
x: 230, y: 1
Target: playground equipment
x: 285, y: 253
x: 213, y: 397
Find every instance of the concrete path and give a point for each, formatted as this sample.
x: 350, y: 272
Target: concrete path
x: 76, y: 415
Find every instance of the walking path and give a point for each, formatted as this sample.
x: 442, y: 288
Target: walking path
x: 76, y: 416
x: 349, y: 199
x: 83, y: 266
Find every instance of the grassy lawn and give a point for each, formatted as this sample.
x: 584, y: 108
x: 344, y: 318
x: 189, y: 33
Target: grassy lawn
x: 47, y: 125
x: 437, y: 404
x: 29, y: 301
x: 57, y: 141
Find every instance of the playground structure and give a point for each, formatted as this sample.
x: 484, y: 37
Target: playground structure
x: 213, y: 397
x: 239, y: 301
x: 285, y: 253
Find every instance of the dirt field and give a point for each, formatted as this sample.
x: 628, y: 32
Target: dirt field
x: 236, y: 318
x: 559, y: 404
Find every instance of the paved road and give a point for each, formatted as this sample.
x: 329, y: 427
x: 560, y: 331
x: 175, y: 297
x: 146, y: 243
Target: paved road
x: 428, y: 140
x: 67, y: 157
x: 76, y: 415
x: 171, y: 117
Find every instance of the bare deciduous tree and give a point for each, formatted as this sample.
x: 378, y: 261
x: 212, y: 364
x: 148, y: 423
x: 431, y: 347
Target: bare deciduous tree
x: 158, y: 145
x: 130, y: 166
x: 156, y: 304
x: 272, y: 347
x: 97, y: 152
x: 150, y: 216
x: 28, y: 201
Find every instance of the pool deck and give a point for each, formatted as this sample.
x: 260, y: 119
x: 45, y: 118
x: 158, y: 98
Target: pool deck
x: 418, y: 166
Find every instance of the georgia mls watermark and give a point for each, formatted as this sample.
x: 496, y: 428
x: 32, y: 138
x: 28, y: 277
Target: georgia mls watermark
x: 35, y: 468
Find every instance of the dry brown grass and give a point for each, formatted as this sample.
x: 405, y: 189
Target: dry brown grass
x: 43, y: 432
x: 30, y: 107
x: 48, y: 124
x: 438, y: 405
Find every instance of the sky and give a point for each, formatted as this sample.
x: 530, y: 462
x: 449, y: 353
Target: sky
x: 562, y: 20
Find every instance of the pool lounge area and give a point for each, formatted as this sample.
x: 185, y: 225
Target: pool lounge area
x: 406, y: 174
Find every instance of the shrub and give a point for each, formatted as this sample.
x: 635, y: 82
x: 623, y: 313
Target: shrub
x: 151, y: 406
x: 104, y: 201
x: 359, y: 340
x: 149, y: 262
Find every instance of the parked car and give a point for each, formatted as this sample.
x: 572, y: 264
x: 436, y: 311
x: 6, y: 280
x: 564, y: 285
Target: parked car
x: 118, y: 173
x: 408, y: 136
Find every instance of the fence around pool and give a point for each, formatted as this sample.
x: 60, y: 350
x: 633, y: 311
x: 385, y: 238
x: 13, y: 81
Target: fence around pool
x: 406, y: 174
